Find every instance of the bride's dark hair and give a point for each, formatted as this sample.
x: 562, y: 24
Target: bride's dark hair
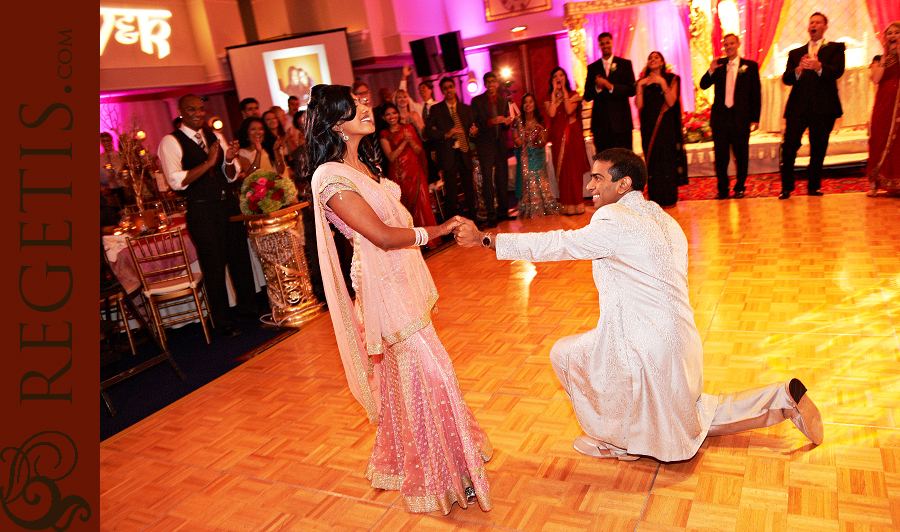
x: 331, y: 105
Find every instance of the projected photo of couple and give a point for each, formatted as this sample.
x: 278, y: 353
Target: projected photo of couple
x: 297, y: 76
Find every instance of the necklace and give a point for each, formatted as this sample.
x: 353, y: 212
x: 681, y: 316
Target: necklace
x: 364, y: 170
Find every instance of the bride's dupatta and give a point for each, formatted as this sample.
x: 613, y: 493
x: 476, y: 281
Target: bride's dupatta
x: 395, y: 293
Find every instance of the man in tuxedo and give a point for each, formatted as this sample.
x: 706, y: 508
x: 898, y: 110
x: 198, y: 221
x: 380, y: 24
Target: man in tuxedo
x: 735, y: 112
x: 609, y: 84
x: 492, y: 119
x: 449, y: 124
x: 812, y: 72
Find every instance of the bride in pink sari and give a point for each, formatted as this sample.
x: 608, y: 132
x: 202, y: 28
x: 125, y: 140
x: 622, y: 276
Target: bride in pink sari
x: 428, y: 444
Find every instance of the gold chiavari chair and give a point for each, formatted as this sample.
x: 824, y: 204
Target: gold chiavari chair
x: 168, y: 281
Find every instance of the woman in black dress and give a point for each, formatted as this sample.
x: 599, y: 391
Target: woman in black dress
x: 658, y: 101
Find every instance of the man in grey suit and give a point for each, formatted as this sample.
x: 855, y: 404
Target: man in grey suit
x: 735, y: 112
x: 609, y: 84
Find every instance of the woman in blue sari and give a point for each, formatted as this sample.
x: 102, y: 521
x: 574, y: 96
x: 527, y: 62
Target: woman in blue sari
x: 532, y: 183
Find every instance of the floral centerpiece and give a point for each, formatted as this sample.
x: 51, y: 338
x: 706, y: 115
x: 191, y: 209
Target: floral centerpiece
x: 696, y: 126
x: 264, y: 191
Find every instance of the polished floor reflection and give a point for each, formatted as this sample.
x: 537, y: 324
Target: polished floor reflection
x: 808, y: 287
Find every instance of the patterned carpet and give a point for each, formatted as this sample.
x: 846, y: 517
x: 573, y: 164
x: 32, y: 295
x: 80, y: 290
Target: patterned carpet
x: 834, y: 181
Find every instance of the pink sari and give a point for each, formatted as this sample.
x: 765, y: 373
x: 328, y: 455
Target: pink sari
x: 428, y: 443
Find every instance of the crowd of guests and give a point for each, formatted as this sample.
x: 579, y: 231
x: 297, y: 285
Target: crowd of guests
x: 418, y: 143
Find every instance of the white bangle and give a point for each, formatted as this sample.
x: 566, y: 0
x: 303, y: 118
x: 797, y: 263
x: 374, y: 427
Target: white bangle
x: 421, y: 236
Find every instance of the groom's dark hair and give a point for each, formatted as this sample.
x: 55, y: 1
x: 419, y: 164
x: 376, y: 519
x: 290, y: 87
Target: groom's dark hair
x: 623, y: 163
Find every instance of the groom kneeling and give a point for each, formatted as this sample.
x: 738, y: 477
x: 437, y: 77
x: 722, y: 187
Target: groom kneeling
x: 635, y: 380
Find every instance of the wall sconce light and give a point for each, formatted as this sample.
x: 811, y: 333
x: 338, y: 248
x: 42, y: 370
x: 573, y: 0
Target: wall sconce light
x: 472, y: 84
x: 505, y: 72
x: 216, y: 123
x: 141, y: 135
x: 517, y: 29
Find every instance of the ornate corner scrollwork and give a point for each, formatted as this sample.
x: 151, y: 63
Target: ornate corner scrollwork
x: 32, y: 499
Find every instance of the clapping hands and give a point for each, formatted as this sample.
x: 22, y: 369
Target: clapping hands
x: 233, y: 148
x: 810, y: 63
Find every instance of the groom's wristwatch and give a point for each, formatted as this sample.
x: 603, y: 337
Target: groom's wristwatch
x: 486, y: 240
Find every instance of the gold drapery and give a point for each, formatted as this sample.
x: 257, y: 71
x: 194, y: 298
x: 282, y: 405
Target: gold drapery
x: 575, y: 24
x: 701, y: 52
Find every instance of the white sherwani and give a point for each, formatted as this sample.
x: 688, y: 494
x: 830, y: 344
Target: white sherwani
x: 635, y: 381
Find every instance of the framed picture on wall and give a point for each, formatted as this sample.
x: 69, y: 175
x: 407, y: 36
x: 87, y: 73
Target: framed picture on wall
x: 497, y: 9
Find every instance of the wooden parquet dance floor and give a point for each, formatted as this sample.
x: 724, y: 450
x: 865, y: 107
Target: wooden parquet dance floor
x: 808, y: 287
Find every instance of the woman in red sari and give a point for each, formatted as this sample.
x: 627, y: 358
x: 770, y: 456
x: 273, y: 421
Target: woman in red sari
x: 883, y: 166
x: 569, y: 154
x: 406, y: 167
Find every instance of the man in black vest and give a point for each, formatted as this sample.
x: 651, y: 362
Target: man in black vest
x: 199, y: 163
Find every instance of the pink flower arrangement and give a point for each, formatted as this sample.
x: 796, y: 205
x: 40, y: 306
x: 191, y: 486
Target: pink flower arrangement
x: 265, y: 191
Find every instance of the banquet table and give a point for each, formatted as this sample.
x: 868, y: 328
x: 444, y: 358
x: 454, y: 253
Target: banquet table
x: 115, y: 246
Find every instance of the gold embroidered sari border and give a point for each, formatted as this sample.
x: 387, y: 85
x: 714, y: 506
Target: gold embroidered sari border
x: 410, y: 329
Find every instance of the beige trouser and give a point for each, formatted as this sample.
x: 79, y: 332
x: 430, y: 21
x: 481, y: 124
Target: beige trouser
x: 746, y: 410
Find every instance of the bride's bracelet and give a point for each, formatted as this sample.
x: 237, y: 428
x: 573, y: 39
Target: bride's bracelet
x: 421, y: 236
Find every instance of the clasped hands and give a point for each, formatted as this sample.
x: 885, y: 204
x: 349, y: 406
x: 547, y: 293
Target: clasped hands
x: 602, y: 83
x: 464, y: 231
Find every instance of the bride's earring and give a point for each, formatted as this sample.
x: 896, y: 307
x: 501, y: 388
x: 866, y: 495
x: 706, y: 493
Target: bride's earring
x: 344, y: 137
